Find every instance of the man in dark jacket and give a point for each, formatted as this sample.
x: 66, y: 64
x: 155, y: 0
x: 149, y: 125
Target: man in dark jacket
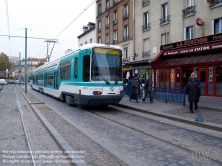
x: 193, y: 91
x: 148, y: 89
x: 134, y: 89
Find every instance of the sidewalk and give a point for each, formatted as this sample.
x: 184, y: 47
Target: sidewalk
x: 210, y: 109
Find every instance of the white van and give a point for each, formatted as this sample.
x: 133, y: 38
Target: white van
x: 3, y: 82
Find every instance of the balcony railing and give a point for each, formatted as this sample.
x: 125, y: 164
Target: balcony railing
x: 125, y: 38
x: 145, y: 2
x: 125, y: 60
x: 115, y: 2
x: 146, y: 27
x: 215, y: 3
x: 165, y: 20
x: 115, y: 41
x: 99, y: 13
x: 115, y: 21
x: 99, y: 30
x: 107, y: 26
x: 189, y: 10
x: 107, y: 7
x: 146, y: 53
x: 125, y: 16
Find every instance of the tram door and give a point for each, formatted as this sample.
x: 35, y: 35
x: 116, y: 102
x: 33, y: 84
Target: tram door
x: 56, y: 80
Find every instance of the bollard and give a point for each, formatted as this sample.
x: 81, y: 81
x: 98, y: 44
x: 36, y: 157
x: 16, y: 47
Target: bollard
x: 184, y: 95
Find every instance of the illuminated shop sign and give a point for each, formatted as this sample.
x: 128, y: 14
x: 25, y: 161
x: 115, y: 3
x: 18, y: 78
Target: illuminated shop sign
x: 193, y: 42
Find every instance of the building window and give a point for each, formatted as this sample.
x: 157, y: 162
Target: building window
x: 107, y: 38
x: 190, y: 3
x: 125, y: 33
x: 145, y: 2
x: 115, y: 2
x: 100, y: 26
x: 115, y: 17
x: 189, y: 8
x: 126, y: 52
x: 126, y: 12
x: 90, y: 40
x: 165, y: 16
x: 146, y: 48
x: 146, y: 21
x: 218, y: 26
x: 115, y: 39
x: 165, y: 38
x: 107, y: 5
x: 99, y: 40
x: 107, y: 21
x: 189, y: 33
x: 215, y: 3
x: 99, y: 9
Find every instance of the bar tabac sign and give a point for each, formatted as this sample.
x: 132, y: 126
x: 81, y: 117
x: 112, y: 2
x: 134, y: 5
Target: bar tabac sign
x: 193, y: 42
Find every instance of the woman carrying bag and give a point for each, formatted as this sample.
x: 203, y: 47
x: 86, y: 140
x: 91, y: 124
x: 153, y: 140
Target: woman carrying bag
x: 193, y: 91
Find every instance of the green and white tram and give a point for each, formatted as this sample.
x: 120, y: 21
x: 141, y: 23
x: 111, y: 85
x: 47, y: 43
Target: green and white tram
x: 91, y: 75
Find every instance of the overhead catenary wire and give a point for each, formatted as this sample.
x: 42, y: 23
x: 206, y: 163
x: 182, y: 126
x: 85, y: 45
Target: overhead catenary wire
x: 70, y: 23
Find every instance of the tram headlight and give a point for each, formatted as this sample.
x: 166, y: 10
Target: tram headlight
x: 79, y: 92
x: 121, y: 92
x: 97, y: 92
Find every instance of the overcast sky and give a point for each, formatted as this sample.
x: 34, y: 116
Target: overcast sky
x: 44, y: 19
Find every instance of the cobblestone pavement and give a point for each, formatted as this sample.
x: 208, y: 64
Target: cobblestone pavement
x: 195, y: 141
x: 94, y: 155
x: 139, y: 147
x: 12, y: 138
x: 41, y: 141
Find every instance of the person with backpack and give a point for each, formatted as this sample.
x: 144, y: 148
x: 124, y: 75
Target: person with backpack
x: 148, y: 89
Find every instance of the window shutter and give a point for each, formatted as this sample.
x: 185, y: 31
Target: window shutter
x: 220, y: 26
x: 212, y: 27
x: 184, y: 33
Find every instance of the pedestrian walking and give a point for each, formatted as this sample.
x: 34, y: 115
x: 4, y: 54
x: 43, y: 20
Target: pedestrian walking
x: 134, y: 89
x: 195, y: 78
x: 148, y: 89
x: 193, y: 91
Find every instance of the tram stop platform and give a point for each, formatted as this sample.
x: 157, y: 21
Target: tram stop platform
x: 210, y: 109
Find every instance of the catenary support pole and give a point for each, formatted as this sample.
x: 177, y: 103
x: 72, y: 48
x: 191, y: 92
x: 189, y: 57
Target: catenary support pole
x: 20, y: 68
x: 25, y: 60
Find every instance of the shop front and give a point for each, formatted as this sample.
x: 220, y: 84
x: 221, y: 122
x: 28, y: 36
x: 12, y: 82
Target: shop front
x: 141, y: 69
x: 175, y: 63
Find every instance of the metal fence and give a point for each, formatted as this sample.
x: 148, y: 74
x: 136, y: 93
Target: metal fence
x: 165, y: 94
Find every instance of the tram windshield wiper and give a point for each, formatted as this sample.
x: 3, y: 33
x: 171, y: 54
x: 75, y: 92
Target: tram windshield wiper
x: 104, y: 79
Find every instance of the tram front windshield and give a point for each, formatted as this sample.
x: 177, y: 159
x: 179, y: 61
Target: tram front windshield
x: 106, y: 65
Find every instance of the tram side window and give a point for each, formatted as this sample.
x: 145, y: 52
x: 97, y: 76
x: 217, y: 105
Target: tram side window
x: 50, y: 79
x: 86, y: 67
x: 65, y: 70
x: 45, y: 80
x: 76, y: 68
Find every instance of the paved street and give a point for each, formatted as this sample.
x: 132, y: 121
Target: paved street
x: 115, y: 136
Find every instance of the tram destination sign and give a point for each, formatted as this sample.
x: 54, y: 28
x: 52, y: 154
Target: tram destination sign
x: 193, y: 49
x: 193, y: 42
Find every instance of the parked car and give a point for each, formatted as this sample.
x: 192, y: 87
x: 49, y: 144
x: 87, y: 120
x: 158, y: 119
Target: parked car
x: 3, y: 82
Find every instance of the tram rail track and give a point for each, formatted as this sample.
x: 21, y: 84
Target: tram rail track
x: 215, y: 161
x: 156, y: 137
